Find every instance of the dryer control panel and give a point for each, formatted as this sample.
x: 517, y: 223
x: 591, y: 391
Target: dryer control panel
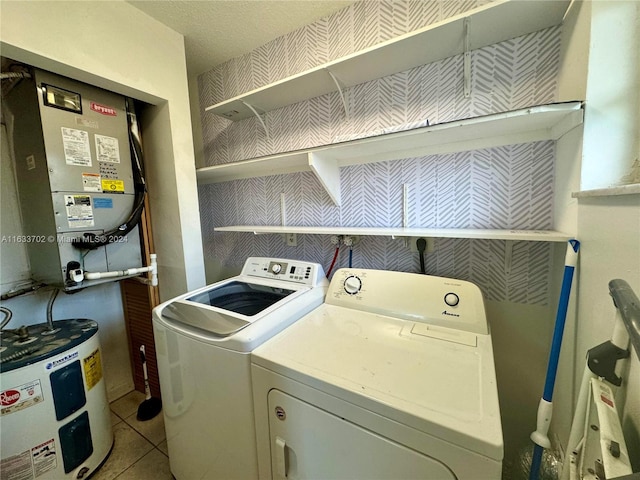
x: 425, y: 299
x: 296, y: 271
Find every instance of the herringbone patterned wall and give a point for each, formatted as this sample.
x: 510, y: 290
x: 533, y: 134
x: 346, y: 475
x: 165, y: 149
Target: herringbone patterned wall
x: 506, y: 187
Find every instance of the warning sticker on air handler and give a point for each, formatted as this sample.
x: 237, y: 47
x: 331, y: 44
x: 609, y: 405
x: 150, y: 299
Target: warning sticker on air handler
x: 113, y: 186
x: 92, y: 369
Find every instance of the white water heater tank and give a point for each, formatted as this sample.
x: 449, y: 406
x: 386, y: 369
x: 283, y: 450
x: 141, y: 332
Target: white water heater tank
x: 55, y: 420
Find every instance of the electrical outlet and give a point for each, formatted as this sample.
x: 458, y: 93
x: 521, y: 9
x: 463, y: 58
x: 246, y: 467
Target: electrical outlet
x: 431, y: 244
x: 292, y: 239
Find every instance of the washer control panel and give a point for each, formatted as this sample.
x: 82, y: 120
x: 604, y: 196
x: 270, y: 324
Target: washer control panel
x: 285, y: 269
x: 423, y: 298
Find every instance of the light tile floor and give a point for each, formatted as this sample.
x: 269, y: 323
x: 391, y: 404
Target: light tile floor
x: 140, y: 448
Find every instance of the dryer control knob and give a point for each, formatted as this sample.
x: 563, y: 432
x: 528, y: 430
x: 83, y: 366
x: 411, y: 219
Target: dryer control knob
x: 276, y: 268
x: 451, y: 299
x: 352, y: 285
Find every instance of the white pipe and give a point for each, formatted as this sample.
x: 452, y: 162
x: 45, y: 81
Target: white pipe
x: 153, y: 269
x: 116, y: 273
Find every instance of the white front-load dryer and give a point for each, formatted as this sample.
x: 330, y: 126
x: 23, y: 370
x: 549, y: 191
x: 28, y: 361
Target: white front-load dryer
x: 203, y: 343
x: 391, y: 378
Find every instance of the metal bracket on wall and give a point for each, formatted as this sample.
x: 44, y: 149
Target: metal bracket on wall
x: 405, y: 205
x: 602, y: 361
x: 405, y: 212
x: 508, y: 256
x: 340, y: 87
x: 467, y: 59
x: 255, y: 112
x: 283, y: 210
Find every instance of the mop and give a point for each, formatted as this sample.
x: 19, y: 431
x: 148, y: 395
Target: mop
x: 545, y: 407
x: 151, y: 406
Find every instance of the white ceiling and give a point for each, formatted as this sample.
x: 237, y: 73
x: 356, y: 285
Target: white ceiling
x: 218, y: 30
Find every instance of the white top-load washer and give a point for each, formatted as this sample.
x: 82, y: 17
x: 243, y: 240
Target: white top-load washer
x: 391, y: 378
x: 203, y: 343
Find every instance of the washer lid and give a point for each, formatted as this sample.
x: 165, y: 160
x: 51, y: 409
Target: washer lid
x: 439, y: 384
x: 243, y: 299
x: 265, y: 286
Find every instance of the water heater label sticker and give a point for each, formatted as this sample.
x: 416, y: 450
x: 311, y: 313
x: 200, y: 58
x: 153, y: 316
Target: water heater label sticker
x: 107, y: 149
x: 21, y: 397
x: 91, y: 182
x: 113, y: 186
x: 79, y: 211
x: 17, y: 466
x: 31, y: 162
x: 76, y: 147
x: 92, y: 369
x: 60, y: 361
x: 44, y: 457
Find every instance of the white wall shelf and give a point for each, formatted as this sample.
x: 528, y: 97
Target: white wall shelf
x: 489, y: 24
x: 543, y: 122
x: 491, y: 234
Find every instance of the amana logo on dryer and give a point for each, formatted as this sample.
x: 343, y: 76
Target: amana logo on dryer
x: 444, y: 312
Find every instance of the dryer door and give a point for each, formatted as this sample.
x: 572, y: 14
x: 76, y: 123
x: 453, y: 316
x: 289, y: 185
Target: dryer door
x: 309, y: 443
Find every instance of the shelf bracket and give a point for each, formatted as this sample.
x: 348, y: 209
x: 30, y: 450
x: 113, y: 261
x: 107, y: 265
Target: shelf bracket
x: 467, y: 58
x: 283, y: 210
x: 405, y: 205
x: 255, y: 112
x: 340, y: 87
x: 508, y: 256
x: 327, y: 172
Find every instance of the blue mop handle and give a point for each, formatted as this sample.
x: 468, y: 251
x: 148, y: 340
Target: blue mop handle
x: 567, y: 279
x: 539, y: 437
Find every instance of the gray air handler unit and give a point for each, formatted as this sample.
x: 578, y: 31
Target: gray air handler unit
x: 80, y: 194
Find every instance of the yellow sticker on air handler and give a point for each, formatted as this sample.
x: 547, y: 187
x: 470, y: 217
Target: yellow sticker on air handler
x: 92, y: 369
x: 114, y: 186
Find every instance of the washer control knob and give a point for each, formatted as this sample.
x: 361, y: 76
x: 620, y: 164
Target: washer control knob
x: 352, y: 285
x: 276, y: 268
x: 451, y: 299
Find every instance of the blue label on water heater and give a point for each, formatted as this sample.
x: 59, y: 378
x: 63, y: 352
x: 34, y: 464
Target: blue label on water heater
x: 100, y: 202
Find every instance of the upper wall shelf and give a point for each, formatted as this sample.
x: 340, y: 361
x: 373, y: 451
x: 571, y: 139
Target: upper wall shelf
x: 486, y: 25
x: 544, y: 122
x: 491, y: 234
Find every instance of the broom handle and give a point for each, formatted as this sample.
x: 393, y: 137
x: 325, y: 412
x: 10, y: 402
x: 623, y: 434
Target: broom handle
x: 143, y: 357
